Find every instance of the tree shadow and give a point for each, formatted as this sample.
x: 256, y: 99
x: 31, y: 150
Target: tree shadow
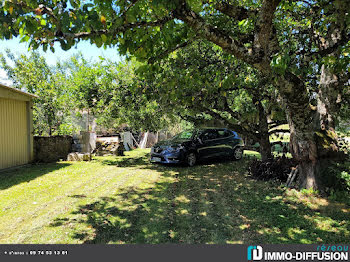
x: 15, y: 176
x: 213, y: 203
x: 125, y: 161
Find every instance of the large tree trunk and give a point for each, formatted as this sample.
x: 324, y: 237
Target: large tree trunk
x: 312, y: 139
x: 265, y: 148
x: 303, y: 147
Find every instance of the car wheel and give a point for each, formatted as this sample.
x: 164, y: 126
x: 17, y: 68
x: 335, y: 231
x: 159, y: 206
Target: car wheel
x: 238, y: 153
x: 191, y: 159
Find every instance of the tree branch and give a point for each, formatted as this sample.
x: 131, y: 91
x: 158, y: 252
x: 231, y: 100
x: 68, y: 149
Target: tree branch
x: 277, y: 123
x: 133, y: 2
x: 211, y: 33
x: 279, y: 131
x: 120, y: 29
x: 169, y: 51
x: 265, y: 40
x: 233, y: 11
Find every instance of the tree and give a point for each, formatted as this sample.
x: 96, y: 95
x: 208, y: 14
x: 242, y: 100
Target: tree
x: 34, y: 75
x: 200, y: 83
x: 285, y: 40
x: 84, y: 78
x: 121, y: 100
x: 110, y: 92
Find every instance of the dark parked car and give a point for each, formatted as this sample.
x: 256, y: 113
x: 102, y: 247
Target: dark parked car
x: 192, y: 145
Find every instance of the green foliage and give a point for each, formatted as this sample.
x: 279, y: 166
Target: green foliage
x: 146, y: 29
x: 280, y: 63
x: 105, y: 90
x: 309, y: 192
x: 205, y: 86
x: 119, y: 98
x: 149, y: 30
x: 336, y: 177
x: 67, y: 129
x: 34, y: 75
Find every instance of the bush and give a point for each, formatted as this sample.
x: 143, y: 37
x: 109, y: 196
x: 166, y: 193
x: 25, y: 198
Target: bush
x: 336, y: 178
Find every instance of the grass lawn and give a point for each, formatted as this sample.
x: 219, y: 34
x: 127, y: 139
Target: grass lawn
x: 128, y: 200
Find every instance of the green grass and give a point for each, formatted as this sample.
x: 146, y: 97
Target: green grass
x: 128, y: 200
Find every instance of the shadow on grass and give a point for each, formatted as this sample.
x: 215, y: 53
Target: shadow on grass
x: 213, y: 203
x: 126, y: 162
x: 15, y: 176
x: 145, y: 160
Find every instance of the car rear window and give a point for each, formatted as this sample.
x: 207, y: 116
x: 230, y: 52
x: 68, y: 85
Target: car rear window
x: 221, y: 133
x: 209, y: 135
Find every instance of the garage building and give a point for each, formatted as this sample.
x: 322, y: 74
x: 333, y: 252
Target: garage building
x: 16, y: 127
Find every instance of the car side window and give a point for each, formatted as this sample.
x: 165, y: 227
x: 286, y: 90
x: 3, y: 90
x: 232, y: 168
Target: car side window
x: 209, y: 135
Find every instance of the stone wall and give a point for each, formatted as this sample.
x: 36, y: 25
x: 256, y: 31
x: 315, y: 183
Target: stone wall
x: 52, y: 149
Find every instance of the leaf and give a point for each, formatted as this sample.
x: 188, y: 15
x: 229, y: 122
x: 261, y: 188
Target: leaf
x: 104, y: 38
x: 98, y: 41
x: 195, y: 5
x: 24, y: 39
x: 243, y: 23
x: 130, y: 17
x: 11, y: 10
x: 141, y: 52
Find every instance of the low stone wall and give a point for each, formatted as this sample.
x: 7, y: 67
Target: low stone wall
x: 52, y: 149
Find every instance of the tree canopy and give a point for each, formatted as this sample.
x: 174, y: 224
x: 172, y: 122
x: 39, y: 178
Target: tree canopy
x: 105, y: 90
x: 203, y: 85
x: 33, y: 74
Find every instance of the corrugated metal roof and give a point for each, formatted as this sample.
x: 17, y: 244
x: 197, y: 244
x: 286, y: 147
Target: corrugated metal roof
x: 18, y: 91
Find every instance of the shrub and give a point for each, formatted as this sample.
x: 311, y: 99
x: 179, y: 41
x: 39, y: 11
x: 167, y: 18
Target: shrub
x: 336, y: 178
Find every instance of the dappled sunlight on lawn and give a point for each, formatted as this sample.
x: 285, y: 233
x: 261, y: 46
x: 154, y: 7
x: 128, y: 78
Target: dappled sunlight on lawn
x: 209, y: 203
x: 129, y: 200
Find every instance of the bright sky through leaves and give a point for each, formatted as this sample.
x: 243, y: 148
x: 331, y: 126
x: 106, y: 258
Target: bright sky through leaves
x: 90, y: 52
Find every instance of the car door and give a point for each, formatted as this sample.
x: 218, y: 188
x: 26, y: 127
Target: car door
x: 210, y: 144
x: 225, y: 138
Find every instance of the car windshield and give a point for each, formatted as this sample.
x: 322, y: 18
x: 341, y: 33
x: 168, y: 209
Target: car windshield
x: 188, y: 134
